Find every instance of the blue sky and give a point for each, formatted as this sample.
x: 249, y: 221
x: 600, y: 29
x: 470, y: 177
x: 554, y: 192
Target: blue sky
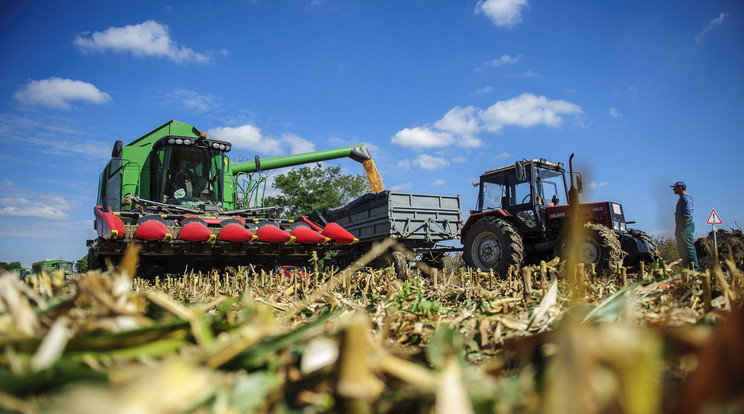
x: 645, y: 93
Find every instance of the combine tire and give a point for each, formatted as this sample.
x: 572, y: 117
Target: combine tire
x: 599, y: 246
x: 493, y: 244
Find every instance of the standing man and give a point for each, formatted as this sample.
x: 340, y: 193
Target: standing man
x: 684, y: 226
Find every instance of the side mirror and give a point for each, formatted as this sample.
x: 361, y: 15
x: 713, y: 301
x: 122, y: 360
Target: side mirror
x: 520, y: 171
x: 555, y: 199
x: 116, y: 151
x: 475, y: 183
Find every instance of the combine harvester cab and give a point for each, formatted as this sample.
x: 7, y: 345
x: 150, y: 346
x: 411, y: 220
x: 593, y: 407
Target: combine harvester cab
x: 176, y: 193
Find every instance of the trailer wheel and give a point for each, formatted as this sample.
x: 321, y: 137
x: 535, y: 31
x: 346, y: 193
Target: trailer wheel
x: 493, y: 244
x: 399, y: 262
x: 599, y: 246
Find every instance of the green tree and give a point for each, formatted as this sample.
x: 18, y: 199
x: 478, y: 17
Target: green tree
x: 81, y: 266
x: 10, y: 266
x: 306, y: 189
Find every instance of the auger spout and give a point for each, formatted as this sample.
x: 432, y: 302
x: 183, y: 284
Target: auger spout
x: 357, y: 153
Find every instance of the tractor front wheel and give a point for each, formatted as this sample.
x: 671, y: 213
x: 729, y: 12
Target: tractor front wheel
x: 492, y: 243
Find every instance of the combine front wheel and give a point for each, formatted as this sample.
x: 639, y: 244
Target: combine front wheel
x: 492, y: 244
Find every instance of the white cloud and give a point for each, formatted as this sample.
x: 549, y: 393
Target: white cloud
x: 66, y: 230
x: 484, y: 90
x: 422, y: 137
x: 439, y: 182
x: 595, y: 184
x: 247, y: 137
x: 88, y: 149
x: 459, y: 125
x: 7, y: 183
x: 194, y: 101
x: 615, y: 113
x: 712, y: 24
x: 428, y: 162
x: 459, y: 121
x: 503, y: 156
x: 298, y: 145
x: 47, y: 207
x: 404, y: 164
x: 145, y: 39
x: 401, y: 187
x: 503, y: 13
x: 527, y: 110
x: 503, y: 60
x: 58, y: 93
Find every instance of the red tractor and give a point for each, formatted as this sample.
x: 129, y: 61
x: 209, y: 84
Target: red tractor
x: 521, y: 214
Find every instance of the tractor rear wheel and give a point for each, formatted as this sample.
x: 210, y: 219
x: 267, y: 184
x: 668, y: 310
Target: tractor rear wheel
x: 492, y: 243
x: 649, y: 258
x: 599, y: 245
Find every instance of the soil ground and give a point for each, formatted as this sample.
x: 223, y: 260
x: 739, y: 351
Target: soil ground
x: 730, y: 245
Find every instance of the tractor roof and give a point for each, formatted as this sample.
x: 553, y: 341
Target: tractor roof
x: 540, y: 161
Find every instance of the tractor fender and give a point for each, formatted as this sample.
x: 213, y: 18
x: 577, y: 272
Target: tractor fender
x: 478, y: 215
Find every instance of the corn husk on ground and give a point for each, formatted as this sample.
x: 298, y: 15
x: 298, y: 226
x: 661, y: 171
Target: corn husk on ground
x: 364, y: 341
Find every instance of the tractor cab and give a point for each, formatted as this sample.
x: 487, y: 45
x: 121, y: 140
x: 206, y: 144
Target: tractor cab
x: 188, y: 171
x: 524, y: 191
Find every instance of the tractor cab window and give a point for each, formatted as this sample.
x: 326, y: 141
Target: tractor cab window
x: 520, y: 197
x: 190, y: 176
x: 493, y: 193
x: 520, y: 192
x: 550, y: 187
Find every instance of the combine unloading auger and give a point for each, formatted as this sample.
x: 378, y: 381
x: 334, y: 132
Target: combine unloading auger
x: 176, y: 193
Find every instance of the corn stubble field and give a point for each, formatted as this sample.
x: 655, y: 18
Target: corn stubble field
x: 542, y: 340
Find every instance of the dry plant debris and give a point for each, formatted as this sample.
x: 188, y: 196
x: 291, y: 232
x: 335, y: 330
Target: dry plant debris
x: 361, y: 341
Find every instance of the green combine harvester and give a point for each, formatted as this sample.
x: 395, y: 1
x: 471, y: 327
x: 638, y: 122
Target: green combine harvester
x: 49, y: 266
x: 175, y: 191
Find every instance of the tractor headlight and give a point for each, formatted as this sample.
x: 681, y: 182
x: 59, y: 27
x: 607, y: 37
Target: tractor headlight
x: 187, y: 141
x: 171, y: 141
x: 179, y: 141
x: 215, y: 145
x: 623, y: 227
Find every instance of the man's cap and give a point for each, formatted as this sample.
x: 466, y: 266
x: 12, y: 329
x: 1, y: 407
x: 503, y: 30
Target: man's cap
x: 679, y: 184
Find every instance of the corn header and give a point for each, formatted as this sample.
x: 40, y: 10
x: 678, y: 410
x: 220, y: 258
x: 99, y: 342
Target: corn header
x: 175, y: 191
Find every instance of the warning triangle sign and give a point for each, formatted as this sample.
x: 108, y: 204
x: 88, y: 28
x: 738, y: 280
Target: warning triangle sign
x: 713, y: 218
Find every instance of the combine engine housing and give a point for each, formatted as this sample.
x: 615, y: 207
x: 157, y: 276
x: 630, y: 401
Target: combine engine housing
x: 176, y: 193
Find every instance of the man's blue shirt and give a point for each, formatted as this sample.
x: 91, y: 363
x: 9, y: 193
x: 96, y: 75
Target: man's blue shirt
x: 684, y: 208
